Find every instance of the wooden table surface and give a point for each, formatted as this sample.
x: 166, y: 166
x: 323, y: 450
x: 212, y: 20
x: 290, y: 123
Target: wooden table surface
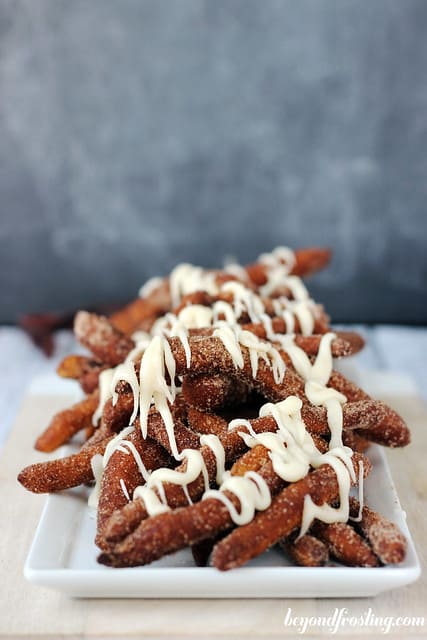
x: 27, y: 610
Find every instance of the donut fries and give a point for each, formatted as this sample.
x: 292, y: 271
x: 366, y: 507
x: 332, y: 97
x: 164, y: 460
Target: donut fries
x: 213, y: 418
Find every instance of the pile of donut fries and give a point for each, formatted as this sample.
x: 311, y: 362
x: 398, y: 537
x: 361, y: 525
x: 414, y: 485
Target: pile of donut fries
x: 213, y: 419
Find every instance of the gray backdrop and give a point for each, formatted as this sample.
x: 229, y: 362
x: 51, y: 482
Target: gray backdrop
x: 135, y: 134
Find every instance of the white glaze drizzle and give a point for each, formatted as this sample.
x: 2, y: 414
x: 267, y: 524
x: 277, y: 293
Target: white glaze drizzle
x: 252, y: 492
x: 280, y: 256
x: 186, y: 278
x: 151, y: 285
x: 124, y: 489
x: 153, y: 503
x: 214, y: 443
x: 292, y: 450
x: 105, y: 378
x: 126, y: 371
x: 154, y: 389
x: 279, y: 263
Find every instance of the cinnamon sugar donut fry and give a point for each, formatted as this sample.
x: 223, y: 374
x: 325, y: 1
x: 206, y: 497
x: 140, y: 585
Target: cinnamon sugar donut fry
x: 390, y: 429
x: 168, y: 532
x: 108, y: 344
x: 353, y: 416
x: 211, y: 392
x: 305, y: 263
x: 123, y: 521
x: 209, y: 355
x: 135, y: 314
x: 306, y: 551
x: 244, y: 341
x: 278, y: 521
x: 346, y: 343
x: 157, y: 297
x: 203, y: 422
x: 144, y: 309
x: 203, y: 549
x: 345, y: 544
x: 355, y: 441
x: 72, y: 366
x: 63, y: 473
x: 67, y: 423
x: 116, y: 416
x: 123, y: 473
x: 285, y: 316
x: 82, y: 368
x: 384, y: 536
x: 185, y: 438
x: 252, y: 460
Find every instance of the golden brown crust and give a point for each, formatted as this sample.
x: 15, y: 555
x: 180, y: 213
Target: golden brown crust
x: 278, y: 521
x: 345, y: 544
x: 141, y: 310
x: 386, y: 539
x: 167, y: 532
x: 307, y: 262
x: 108, y: 344
x: 67, y: 423
x: 306, y: 551
x: 158, y: 302
x: 211, y: 392
x: 122, y: 468
x: 213, y: 381
x: 72, y: 366
x: 204, y: 422
x: 63, y: 473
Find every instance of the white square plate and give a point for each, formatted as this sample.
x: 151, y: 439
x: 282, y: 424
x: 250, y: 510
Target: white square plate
x: 63, y: 557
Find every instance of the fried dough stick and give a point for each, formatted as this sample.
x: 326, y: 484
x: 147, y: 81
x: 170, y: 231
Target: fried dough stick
x: 168, y: 532
x: 191, y: 524
x: 72, y: 366
x: 111, y: 346
x: 345, y: 544
x: 307, y: 262
x: 123, y: 521
x: 67, y: 423
x: 361, y: 415
x: 252, y: 460
x: 372, y: 418
x: 320, y: 318
x: 122, y: 474
x: 63, y: 473
x: 202, y: 422
x: 82, y: 368
x: 143, y: 310
x: 307, y: 551
x: 158, y: 301
x: 283, y: 515
x: 355, y: 441
x: 108, y: 344
x: 209, y: 354
x: 386, y: 539
x: 43, y: 474
x: 97, y: 332
x: 210, y: 392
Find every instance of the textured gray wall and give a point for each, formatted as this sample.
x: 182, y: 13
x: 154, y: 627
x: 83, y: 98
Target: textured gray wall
x: 135, y: 134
